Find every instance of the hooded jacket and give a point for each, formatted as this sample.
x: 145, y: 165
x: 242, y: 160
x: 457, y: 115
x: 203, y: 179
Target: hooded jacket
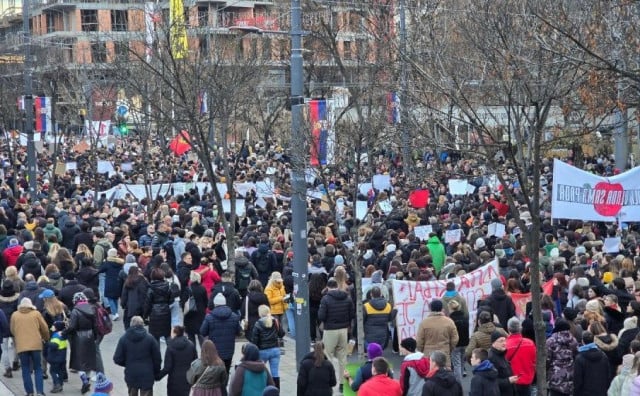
x: 177, y: 360
x: 561, y: 351
x: 336, y: 310
x: 251, y: 375
x: 608, y: 344
x: 11, y: 254
x: 139, y: 354
x: 29, y: 329
x: 485, y: 380
x: 111, y: 267
x: 442, y: 383
x: 521, y: 353
x: 437, y: 252
x: 413, y: 370
x: 481, y: 338
x: 503, y: 367
x: 221, y: 326
x: 377, y: 315
x: 590, y: 360
x: 502, y: 306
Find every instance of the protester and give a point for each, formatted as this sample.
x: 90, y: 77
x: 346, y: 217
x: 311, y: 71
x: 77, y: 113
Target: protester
x: 590, y: 360
x: 380, y: 382
x: 81, y: 335
x: 133, y: 296
x: 437, y: 332
x: 111, y: 268
x: 193, y: 319
x: 485, y: 376
x: 481, y: 338
x: 251, y: 376
x: 316, y: 375
x: 207, y: 375
x: 521, y: 353
x: 55, y: 353
x: 221, y: 326
x: 440, y: 381
x: 157, y: 304
x: 364, y: 372
x: 377, y: 315
x: 8, y: 305
x: 138, y: 352
x: 178, y: 356
x: 30, y: 332
x: 497, y: 353
x: 461, y: 322
x: 266, y: 333
x: 414, y: 368
x: 561, y: 351
x: 255, y: 298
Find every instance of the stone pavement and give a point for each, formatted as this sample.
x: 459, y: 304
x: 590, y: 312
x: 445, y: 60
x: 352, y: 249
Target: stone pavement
x: 288, y: 370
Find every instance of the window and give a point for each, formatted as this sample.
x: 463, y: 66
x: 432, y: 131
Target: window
x: 98, y: 52
x: 51, y: 23
x: 266, y: 49
x: 203, y: 16
x: 346, y: 50
x: 119, y: 20
x: 120, y: 51
x: 89, y: 20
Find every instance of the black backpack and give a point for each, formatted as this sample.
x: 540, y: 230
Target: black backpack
x: 264, y: 262
x: 243, y: 277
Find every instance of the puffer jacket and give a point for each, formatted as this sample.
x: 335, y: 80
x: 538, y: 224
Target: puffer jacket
x: 316, y: 381
x: 437, y: 333
x: 221, y: 326
x: 502, y: 306
x: 275, y: 294
x: 413, y: 370
x: 159, y: 296
x: 336, y: 310
x: 561, y: 352
x: 377, y: 315
x: 266, y: 337
x: 480, y: 339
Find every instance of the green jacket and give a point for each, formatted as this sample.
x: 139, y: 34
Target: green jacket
x: 437, y: 252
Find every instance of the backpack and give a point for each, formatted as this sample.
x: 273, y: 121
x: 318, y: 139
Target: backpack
x: 243, y: 277
x: 263, y: 262
x: 103, y: 321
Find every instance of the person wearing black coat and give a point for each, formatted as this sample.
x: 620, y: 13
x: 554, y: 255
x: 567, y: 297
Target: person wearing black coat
x: 71, y: 287
x: 229, y: 291
x: 133, y: 297
x: 193, y: 320
x: 139, y: 353
x: 177, y: 360
x: 589, y: 369
x: 160, y: 296
x: 221, y: 326
x: 8, y: 305
x: 255, y: 298
x: 500, y: 303
x: 497, y: 353
x: 88, y: 276
x: 111, y: 267
x: 81, y: 333
x: 316, y: 376
x: 69, y: 232
x: 484, y: 381
x: 461, y: 320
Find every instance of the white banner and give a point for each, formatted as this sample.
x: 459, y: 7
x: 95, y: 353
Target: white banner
x: 581, y: 195
x: 412, y: 298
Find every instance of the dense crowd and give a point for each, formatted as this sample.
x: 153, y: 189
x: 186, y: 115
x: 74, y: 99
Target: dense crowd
x: 75, y: 266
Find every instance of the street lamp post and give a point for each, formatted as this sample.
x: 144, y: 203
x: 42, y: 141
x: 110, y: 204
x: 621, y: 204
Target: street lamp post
x: 299, y: 187
x: 28, y: 101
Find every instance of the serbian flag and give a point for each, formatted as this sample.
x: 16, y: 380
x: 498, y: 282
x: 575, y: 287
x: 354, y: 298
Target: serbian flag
x: 393, y: 108
x: 41, y: 105
x: 319, y: 132
x: 180, y: 144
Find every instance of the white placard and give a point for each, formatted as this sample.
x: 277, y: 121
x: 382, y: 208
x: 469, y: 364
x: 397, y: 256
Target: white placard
x: 71, y: 166
x: 452, y: 236
x: 243, y: 188
x: 458, y: 186
x: 471, y: 188
x: 240, y: 209
x: 261, y: 202
x: 381, y: 182
x: 364, y: 188
x: 611, y: 245
x: 385, y: 206
x: 361, y: 210
x: 105, y: 166
x: 497, y: 229
x: 126, y: 166
x: 264, y: 188
x: 422, y: 232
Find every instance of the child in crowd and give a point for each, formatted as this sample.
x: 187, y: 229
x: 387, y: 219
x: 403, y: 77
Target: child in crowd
x: 485, y: 376
x: 56, y: 355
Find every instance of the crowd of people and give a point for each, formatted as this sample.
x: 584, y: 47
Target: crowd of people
x: 74, y: 266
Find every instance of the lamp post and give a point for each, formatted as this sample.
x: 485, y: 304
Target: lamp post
x: 28, y: 101
x: 299, y: 188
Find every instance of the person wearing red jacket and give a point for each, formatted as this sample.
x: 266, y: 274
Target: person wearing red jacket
x: 209, y: 276
x: 501, y: 207
x: 521, y: 353
x: 11, y: 253
x: 380, y: 383
x: 413, y: 369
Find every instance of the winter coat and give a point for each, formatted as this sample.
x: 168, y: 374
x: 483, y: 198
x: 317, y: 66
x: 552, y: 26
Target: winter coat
x: 55, y: 351
x: 177, y: 360
x: 377, y: 314
x: 159, y: 296
x: 521, y: 353
x: 88, y: 276
x: 250, y: 379
x: 561, y: 351
x: 133, y: 298
x: 266, y: 337
x: 32, y: 290
x: 454, y: 295
x: 442, y: 383
x: 614, y: 319
x: 208, y: 278
x: 316, y: 381
x: 138, y: 352
x: 590, y: 360
x: 363, y: 374
x: 11, y: 254
x: 256, y: 299
x: 621, y: 384
x: 203, y: 377
x: 481, y: 338
x: 264, y: 261
x: 8, y: 305
x: 502, y: 306
x: 230, y: 293
x: 437, y: 333
x: 81, y: 334
x: 29, y: 263
x: 193, y: 320
x: 413, y: 370
x: 336, y: 310
x: 503, y: 367
x: 112, y: 282
x: 51, y: 229
x: 608, y: 344
x: 275, y: 294
x: 69, y: 232
x: 462, y: 326
x: 221, y: 326
x: 29, y: 330
x: 437, y: 252
x: 56, y: 281
x: 68, y: 290
x: 485, y: 380
x: 380, y: 385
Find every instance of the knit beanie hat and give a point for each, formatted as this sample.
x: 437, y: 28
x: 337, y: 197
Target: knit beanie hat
x: 219, y: 299
x: 496, y: 335
x: 374, y: 350
x: 103, y: 384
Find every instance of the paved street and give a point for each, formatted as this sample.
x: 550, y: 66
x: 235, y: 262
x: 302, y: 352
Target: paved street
x: 288, y: 364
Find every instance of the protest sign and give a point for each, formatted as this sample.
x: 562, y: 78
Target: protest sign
x: 611, y: 245
x: 385, y: 206
x: 496, y: 229
x: 452, y: 236
x: 361, y: 210
x: 105, y: 166
x: 422, y: 232
x: 412, y: 298
x: 580, y: 195
x: 240, y: 209
x: 457, y: 186
x: 381, y: 182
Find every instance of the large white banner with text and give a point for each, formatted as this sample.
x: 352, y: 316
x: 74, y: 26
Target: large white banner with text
x: 580, y: 195
x: 412, y: 298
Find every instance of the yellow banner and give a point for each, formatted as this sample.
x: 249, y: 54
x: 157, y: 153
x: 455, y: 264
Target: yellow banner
x: 178, y: 33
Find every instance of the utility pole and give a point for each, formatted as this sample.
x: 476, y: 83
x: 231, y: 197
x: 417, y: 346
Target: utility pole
x: 28, y: 102
x: 621, y: 149
x: 406, y: 152
x: 299, y: 187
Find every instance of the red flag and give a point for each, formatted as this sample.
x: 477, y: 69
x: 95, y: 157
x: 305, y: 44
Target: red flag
x: 419, y: 198
x: 180, y: 144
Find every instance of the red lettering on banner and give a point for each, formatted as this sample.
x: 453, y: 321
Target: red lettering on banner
x: 403, y: 317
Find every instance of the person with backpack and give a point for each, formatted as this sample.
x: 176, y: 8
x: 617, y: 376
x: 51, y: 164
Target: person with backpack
x: 245, y: 272
x: 81, y: 335
x: 264, y: 260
